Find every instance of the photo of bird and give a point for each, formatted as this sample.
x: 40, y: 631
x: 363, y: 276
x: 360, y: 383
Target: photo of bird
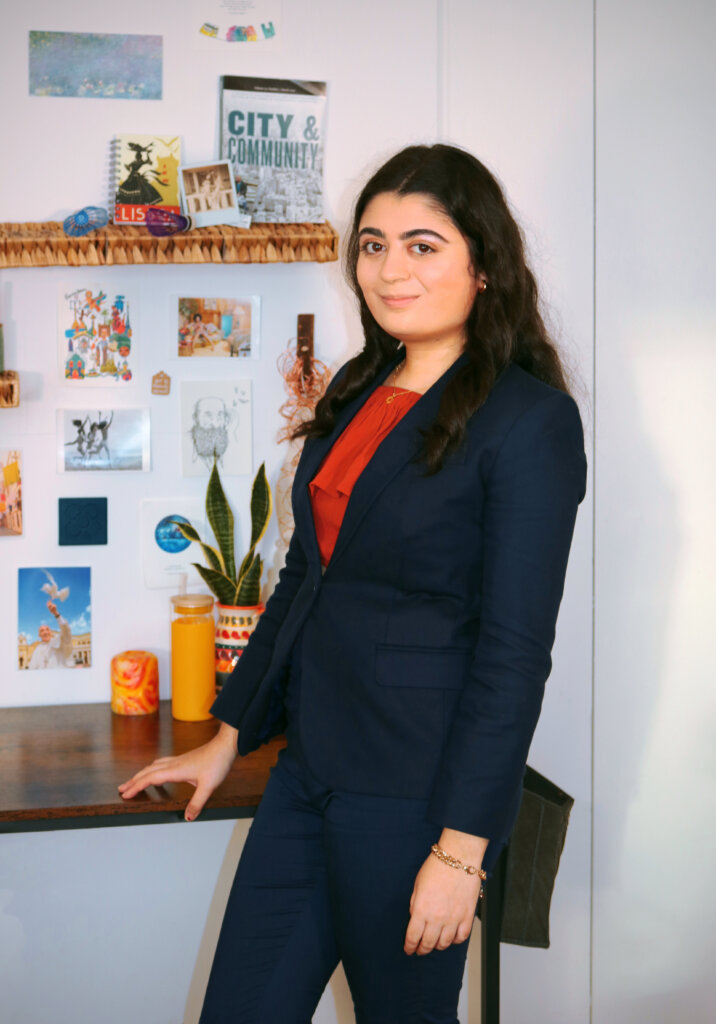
x: 52, y: 590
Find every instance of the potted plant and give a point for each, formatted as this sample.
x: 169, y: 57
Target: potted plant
x: 238, y: 593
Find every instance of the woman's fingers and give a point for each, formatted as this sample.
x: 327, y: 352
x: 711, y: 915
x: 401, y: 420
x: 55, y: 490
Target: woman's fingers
x: 446, y: 937
x: 139, y: 779
x: 154, y: 775
x: 159, y: 764
x: 424, y: 936
x: 431, y: 934
x: 414, y: 934
x: 196, y: 804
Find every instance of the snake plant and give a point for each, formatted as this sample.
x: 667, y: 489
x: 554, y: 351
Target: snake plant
x: 220, y: 575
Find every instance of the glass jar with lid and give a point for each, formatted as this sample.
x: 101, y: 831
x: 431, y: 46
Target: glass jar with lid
x: 193, y: 683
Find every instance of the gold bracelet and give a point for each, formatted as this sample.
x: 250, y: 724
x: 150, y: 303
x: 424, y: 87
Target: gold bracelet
x: 453, y: 862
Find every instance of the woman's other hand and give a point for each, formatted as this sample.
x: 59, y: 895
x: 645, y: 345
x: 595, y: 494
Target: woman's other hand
x: 205, y: 768
x: 442, y: 907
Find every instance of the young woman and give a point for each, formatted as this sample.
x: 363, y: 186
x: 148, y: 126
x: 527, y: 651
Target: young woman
x: 405, y: 648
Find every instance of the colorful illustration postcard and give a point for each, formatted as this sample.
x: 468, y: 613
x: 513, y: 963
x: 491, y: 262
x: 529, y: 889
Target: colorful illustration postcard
x: 216, y: 422
x: 92, y: 439
x: 166, y: 555
x: 218, y: 327
x: 10, y: 492
x: 97, y: 344
x: 54, y: 618
x: 96, y: 65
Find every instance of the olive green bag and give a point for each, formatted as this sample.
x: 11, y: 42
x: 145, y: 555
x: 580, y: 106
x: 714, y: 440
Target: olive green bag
x: 532, y: 859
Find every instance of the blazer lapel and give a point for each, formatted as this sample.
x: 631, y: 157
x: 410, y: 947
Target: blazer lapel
x: 394, y: 451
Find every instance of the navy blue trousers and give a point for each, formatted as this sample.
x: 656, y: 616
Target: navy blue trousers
x: 326, y: 876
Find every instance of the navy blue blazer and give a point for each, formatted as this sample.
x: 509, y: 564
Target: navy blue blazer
x: 426, y: 643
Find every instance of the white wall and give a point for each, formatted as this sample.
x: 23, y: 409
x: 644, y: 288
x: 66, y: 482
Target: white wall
x: 514, y: 82
x: 54, y: 156
x: 654, y: 782
x: 519, y: 94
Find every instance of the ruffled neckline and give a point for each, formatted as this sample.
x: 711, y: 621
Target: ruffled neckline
x: 346, y: 459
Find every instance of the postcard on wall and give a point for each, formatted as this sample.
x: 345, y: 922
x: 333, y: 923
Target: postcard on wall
x: 10, y: 492
x: 97, y: 343
x: 99, y: 439
x: 81, y: 521
x: 216, y: 422
x: 218, y: 327
x: 145, y: 172
x: 54, y: 618
x: 166, y: 554
x: 254, y: 25
x: 208, y: 195
x: 272, y: 135
x: 95, y: 65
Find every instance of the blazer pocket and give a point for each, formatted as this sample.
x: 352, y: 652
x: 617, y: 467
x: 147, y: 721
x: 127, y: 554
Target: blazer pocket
x: 435, y: 667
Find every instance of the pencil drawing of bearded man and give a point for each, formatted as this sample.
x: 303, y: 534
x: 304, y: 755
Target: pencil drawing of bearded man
x: 210, y: 430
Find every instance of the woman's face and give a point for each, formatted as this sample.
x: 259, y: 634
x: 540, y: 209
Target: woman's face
x: 414, y: 269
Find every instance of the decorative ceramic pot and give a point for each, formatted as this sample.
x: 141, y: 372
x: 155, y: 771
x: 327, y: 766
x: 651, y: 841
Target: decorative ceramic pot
x: 234, y: 626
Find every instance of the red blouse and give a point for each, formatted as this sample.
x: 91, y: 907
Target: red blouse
x: 331, y: 487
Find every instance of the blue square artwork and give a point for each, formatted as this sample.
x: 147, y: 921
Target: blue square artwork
x: 83, y: 521
x: 96, y: 65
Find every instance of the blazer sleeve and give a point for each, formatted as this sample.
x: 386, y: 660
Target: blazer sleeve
x: 536, y: 482
x: 251, y: 667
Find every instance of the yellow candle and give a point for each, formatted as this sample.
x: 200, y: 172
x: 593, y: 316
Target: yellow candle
x: 135, y: 683
x: 193, y: 683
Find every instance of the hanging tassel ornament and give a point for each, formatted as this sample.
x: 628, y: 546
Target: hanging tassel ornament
x: 305, y: 380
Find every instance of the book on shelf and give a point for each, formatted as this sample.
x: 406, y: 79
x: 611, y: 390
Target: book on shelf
x: 272, y: 135
x: 145, y: 172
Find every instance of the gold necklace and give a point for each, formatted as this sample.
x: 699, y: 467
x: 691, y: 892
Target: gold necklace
x: 392, y: 397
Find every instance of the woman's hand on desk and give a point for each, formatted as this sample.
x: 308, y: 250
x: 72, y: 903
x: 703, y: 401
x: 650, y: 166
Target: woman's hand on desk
x: 205, y: 768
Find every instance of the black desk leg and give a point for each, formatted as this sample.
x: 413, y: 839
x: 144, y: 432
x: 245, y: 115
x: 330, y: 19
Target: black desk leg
x: 491, y: 925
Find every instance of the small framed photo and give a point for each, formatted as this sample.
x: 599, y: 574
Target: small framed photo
x: 210, y: 326
x: 102, y: 439
x: 208, y: 194
x: 54, y: 617
x: 10, y: 492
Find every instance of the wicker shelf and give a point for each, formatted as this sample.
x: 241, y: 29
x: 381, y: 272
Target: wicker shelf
x: 46, y: 245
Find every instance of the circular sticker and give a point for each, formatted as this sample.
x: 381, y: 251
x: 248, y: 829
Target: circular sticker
x: 168, y: 535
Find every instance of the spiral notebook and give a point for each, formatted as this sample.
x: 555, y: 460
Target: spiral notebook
x: 145, y: 172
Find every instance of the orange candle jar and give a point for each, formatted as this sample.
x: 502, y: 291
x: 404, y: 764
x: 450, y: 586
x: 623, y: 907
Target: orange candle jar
x: 135, y: 683
x: 193, y: 686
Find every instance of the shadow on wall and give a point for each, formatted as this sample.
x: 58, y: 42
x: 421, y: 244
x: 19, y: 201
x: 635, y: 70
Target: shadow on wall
x: 632, y: 617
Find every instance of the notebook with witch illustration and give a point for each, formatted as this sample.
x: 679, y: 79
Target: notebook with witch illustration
x: 145, y: 172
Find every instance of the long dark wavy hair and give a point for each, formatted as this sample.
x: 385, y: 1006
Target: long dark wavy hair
x: 504, y: 325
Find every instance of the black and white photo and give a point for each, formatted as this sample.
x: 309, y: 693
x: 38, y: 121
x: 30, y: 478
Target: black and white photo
x: 102, y: 439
